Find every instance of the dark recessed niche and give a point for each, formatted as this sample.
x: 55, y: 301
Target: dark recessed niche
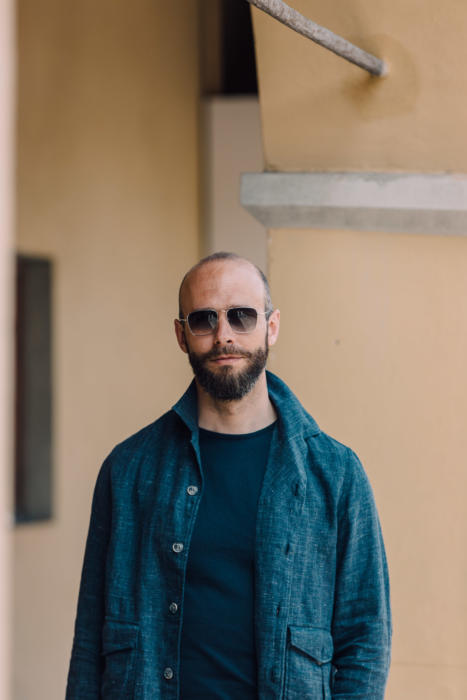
x: 33, y: 409
x: 238, y: 54
x: 227, y: 51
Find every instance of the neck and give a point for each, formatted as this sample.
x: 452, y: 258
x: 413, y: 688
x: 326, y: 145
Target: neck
x: 246, y: 415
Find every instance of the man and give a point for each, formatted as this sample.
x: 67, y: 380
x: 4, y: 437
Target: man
x: 234, y: 550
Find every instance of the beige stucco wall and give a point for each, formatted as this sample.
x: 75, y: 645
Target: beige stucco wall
x: 231, y: 145
x: 108, y: 188
x: 320, y: 112
x: 374, y: 329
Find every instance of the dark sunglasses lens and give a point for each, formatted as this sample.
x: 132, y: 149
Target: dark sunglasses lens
x: 242, y: 320
x: 202, y: 322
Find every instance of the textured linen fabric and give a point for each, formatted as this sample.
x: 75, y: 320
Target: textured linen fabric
x: 322, y: 615
x: 218, y: 655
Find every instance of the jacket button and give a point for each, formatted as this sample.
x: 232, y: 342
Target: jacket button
x: 177, y: 547
x: 168, y: 673
x: 192, y: 490
x: 173, y: 607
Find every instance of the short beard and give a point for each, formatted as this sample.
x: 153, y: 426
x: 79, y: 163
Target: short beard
x: 226, y: 385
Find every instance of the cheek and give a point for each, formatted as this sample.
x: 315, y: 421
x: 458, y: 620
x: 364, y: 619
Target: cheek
x: 198, y: 344
x: 254, y: 341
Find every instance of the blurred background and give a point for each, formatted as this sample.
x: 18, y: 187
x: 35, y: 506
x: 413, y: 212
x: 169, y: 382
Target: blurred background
x: 124, y: 131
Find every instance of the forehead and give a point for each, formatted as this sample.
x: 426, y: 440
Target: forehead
x: 223, y: 283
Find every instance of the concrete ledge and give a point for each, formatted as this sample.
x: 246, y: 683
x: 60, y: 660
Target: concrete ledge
x: 398, y: 203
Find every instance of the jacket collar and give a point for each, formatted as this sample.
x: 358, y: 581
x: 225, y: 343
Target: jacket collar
x: 294, y: 418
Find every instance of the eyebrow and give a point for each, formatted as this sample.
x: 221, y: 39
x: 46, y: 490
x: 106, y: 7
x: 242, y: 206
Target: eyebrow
x: 230, y: 306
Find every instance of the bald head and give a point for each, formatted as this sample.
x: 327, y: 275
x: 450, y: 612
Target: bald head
x: 232, y: 258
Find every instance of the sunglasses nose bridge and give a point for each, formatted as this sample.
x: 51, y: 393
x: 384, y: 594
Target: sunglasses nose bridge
x: 223, y: 331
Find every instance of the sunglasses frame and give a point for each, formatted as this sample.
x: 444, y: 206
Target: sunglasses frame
x: 217, y: 312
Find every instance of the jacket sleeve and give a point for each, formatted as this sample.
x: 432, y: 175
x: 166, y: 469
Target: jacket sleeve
x: 362, y: 620
x: 84, y: 676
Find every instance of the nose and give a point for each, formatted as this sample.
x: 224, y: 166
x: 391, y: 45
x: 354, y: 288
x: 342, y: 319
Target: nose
x: 223, y: 333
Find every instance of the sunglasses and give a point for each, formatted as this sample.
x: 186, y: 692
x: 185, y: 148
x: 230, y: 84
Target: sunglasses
x: 242, y: 319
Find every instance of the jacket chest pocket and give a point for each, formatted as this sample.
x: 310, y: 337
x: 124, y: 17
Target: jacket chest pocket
x: 308, y: 664
x: 119, y: 650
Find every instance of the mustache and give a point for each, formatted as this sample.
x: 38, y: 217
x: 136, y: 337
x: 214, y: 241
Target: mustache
x: 225, y: 350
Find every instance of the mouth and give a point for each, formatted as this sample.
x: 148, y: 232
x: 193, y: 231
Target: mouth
x: 226, y: 359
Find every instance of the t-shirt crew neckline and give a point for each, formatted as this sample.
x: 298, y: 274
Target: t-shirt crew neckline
x: 213, y: 434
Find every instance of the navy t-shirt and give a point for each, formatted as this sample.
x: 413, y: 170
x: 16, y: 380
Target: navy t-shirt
x: 218, y: 657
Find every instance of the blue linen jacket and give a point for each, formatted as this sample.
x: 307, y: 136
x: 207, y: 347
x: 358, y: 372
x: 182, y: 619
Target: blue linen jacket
x: 322, y: 618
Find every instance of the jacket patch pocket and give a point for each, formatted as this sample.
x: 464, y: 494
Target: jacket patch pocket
x: 308, y: 664
x: 119, y: 645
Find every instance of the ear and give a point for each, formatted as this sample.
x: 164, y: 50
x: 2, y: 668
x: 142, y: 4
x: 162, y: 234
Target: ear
x: 273, y: 326
x: 180, y: 333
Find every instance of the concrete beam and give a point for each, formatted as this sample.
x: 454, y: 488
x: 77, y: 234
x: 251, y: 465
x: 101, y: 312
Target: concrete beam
x: 396, y: 203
